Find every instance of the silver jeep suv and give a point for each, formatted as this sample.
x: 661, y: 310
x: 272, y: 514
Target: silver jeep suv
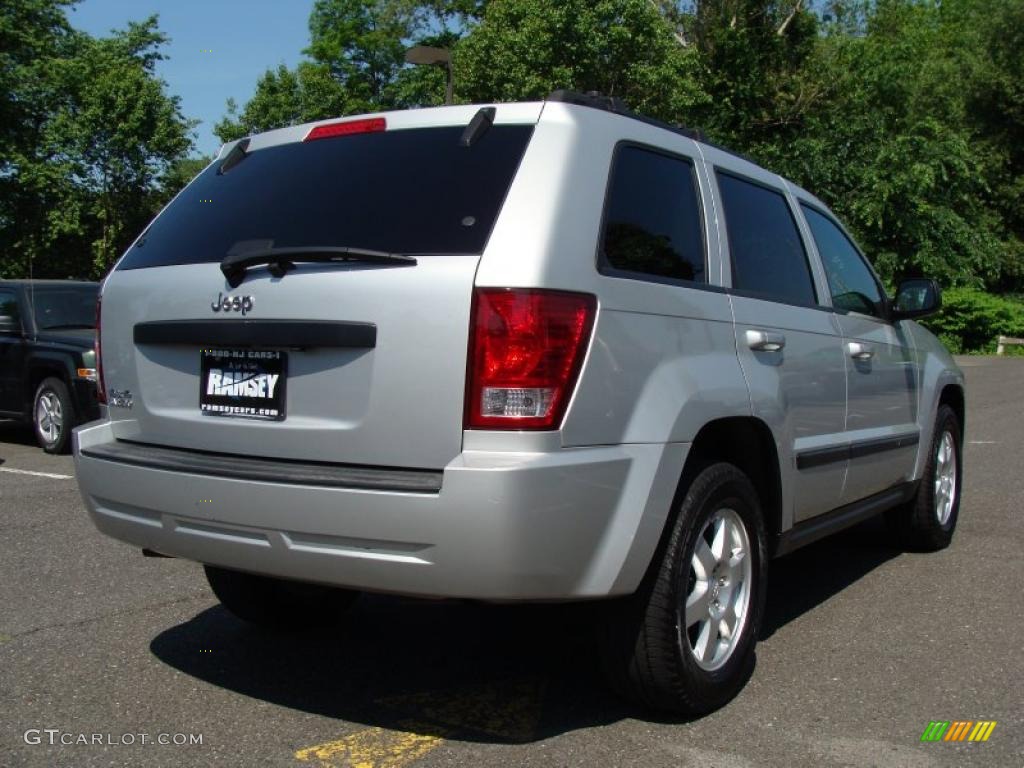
x: 544, y: 351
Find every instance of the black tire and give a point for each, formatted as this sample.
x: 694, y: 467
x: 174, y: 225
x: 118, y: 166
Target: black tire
x: 53, y: 416
x: 648, y: 656
x: 917, y: 524
x: 277, y: 603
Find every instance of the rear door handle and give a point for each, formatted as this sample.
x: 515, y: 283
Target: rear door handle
x: 859, y: 351
x: 765, y: 341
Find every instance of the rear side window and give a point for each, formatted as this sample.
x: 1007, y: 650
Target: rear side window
x: 853, y: 287
x: 407, y: 191
x: 10, y: 317
x: 652, y: 220
x: 65, y: 307
x: 768, y: 257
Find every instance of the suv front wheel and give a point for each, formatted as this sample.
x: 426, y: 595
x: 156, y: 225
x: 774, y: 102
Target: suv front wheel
x: 684, y: 642
x: 926, y: 523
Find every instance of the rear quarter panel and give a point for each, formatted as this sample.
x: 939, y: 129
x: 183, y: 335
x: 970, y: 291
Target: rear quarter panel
x: 662, y: 360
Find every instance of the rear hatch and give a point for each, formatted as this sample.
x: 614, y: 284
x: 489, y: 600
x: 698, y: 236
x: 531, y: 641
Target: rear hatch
x: 360, y: 360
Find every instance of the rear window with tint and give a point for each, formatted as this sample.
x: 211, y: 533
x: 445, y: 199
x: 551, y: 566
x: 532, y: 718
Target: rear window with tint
x: 409, y: 191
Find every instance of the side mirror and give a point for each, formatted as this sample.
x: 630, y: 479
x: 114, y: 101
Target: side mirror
x: 916, y: 298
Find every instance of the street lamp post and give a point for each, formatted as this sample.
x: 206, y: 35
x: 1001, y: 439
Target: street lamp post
x: 428, y: 56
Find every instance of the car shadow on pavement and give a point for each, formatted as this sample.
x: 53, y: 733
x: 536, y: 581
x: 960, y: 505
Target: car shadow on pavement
x: 497, y: 674
x: 812, y: 575
x: 16, y: 433
x: 475, y: 672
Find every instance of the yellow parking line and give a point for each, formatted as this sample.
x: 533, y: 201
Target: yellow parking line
x: 372, y: 748
x: 509, y: 710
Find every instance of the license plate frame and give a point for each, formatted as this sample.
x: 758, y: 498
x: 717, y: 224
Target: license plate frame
x: 247, y: 383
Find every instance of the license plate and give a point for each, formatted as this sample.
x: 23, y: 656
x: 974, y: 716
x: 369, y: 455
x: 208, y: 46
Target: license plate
x: 246, y: 383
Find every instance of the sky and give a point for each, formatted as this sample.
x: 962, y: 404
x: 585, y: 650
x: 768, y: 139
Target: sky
x: 218, y: 48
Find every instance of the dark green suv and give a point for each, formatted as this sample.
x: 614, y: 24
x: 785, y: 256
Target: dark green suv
x: 48, y: 356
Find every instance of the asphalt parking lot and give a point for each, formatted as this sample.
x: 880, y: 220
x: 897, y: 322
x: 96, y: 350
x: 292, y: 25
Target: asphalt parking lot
x: 863, y: 646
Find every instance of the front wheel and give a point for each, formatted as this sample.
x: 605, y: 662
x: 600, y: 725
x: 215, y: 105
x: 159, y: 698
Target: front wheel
x: 684, y: 643
x: 277, y: 603
x: 926, y: 523
x: 53, y: 416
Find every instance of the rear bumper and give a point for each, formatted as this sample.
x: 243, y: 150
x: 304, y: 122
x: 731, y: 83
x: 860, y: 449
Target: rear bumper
x: 568, y: 524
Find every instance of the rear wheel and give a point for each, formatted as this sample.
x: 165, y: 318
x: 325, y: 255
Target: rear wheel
x: 53, y: 416
x: 684, y: 642
x: 278, y: 603
x: 926, y: 523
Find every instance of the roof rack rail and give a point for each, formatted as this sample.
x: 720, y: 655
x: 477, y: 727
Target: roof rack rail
x: 614, y: 104
x: 592, y: 99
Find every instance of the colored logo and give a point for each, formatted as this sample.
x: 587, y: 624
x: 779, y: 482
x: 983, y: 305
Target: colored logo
x: 958, y: 730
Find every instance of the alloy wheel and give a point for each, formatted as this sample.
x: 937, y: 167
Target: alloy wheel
x: 49, y: 416
x: 945, y: 478
x: 718, y: 594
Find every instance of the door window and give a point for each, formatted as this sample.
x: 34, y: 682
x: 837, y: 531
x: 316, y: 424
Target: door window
x: 768, y: 257
x: 853, y: 287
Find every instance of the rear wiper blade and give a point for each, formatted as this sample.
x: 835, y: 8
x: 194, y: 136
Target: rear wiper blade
x: 281, y: 260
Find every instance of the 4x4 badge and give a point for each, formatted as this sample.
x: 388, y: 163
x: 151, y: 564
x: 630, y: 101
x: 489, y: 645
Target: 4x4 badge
x: 243, y: 304
x: 120, y: 398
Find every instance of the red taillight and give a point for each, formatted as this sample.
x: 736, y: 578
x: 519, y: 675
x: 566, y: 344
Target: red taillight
x: 525, y: 351
x: 347, y: 128
x: 101, y: 390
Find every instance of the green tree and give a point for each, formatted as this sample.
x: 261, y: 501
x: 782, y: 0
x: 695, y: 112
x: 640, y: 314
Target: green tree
x: 524, y: 49
x: 93, y: 133
x: 995, y: 109
x: 118, y: 133
x: 904, y: 115
x: 357, y: 64
x: 890, y: 148
x: 753, y: 53
x: 285, y: 97
x: 32, y: 32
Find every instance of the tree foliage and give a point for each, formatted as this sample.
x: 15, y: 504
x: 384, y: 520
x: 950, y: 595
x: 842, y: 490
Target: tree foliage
x: 88, y: 135
x: 524, y: 49
x: 971, y: 320
x: 906, y: 116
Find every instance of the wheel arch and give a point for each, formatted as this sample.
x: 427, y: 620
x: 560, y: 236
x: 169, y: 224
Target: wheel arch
x: 746, y: 442
x: 953, y: 396
x: 42, y: 367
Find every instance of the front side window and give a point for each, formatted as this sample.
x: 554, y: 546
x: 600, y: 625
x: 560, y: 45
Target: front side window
x: 768, y: 257
x: 853, y: 287
x: 653, y: 221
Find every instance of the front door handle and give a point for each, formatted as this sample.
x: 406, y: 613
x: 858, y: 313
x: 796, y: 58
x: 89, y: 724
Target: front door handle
x: 765, y: 341
x: 860, y: 351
